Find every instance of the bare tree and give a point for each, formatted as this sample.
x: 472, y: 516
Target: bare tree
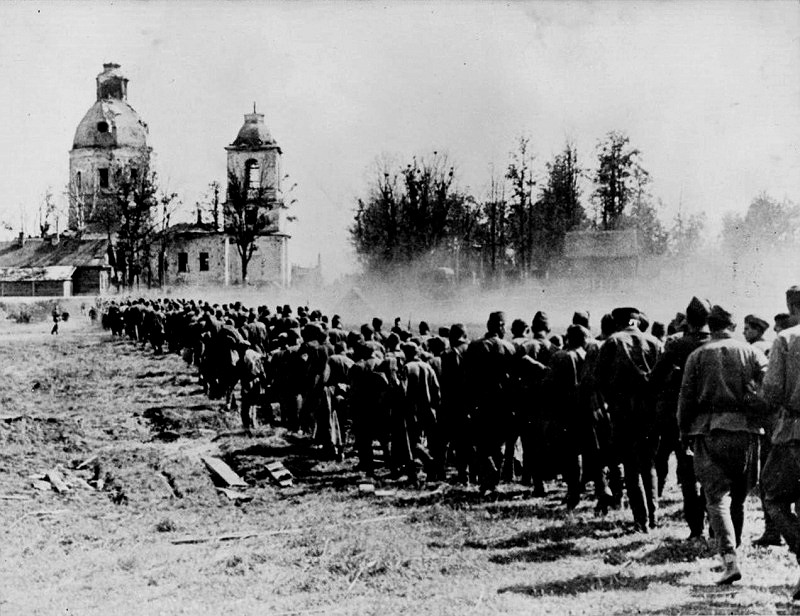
x: 47, y: 210
x: 520, y: 174
x: 247, y: 216
x: 143, y: 212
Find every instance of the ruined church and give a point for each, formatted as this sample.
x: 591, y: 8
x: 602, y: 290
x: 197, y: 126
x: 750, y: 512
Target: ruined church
x: 111, y: 146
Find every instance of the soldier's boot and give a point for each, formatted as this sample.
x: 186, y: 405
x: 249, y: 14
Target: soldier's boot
x: 731, y: 573
x: 796, y: 592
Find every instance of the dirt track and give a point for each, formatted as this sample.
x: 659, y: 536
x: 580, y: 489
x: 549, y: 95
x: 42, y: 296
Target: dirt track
x: 109, y: 546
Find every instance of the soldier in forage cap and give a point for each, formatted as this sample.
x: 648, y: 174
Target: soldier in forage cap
x: 719, y: 418
x: 781, y: 474
x: 574, y: 425
x: 623, y: 371
x: 489, y: 365
x: 538, y: 413
x: 666, y: 379
x: 458, y: 416
x: 754, y: 329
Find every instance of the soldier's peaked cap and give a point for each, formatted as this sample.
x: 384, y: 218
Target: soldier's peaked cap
x: 793, y: 295
x: 624, y: 314
x: 757, y: 322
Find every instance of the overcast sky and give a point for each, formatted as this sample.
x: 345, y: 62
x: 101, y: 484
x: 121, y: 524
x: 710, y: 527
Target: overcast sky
x: 709, y: 91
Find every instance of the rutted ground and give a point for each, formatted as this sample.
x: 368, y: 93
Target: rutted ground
x: 107, y: 545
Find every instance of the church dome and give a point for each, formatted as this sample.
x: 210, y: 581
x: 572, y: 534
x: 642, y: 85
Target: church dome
x: 254, y: 133
x: 111, y: 123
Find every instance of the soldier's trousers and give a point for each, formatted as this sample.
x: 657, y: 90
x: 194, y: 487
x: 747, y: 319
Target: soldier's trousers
x: 770, y: 529
x: 780, y: 481
x: 726, y: 463
x: 327, y: 427
x: 537, y: 451
x: 641, y: 481
x: 694, y: 500
x: 459, y: 439
x: 291, y: 403
x: 251, y: 393
x: 492, y: 428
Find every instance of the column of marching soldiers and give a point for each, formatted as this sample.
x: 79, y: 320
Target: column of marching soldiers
x: 528, y: 405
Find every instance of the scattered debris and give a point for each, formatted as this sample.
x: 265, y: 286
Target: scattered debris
x: 13, y: 418
x: 55, y: 478
x: 13, y: 497
x: 235, y: 496
x: 285, y: 531
x: 39, y: 484
x: 366, y: 488
x: 280, y: 474
x: 385, y: 493
x: 86, y: 463
x: 223, y: 472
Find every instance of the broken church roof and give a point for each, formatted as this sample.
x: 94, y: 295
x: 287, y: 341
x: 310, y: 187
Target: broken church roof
x: 39, y: 253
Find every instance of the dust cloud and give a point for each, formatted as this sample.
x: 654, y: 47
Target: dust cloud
x: 750, y: 283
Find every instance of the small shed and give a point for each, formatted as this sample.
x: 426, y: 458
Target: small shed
x: 54, y: 267
x: 54, y: 281
x: 602, y: 253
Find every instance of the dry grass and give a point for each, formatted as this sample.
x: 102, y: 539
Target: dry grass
x: 110, y: 551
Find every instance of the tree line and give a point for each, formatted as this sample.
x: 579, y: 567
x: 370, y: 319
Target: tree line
x: 421, y: 214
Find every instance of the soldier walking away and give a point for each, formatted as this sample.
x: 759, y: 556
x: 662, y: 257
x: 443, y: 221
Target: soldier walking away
x: 781, y: 475
x: 56, y: 319
x: 488, y: 363
x: 718, y: 417
x: 754, y: 328
x: 457, y: 411
x: 623, y: 372
x: 666, y: 378
x: 251, y: 376
x: 574, y: 424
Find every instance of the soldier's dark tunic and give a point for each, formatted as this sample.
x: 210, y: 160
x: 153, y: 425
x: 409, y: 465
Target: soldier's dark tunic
x: 422, y: 401
x: 489, y: 362
x: 626, y: 359
x: 666, y: 379
x: 370, y: 419
x: 534, y: 408
x: 457, y: 414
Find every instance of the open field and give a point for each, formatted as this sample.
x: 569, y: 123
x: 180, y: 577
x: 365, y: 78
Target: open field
x: 111, y: 543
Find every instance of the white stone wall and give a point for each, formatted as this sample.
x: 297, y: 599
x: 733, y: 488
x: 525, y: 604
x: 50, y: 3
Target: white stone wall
x: 269, y: 264
x: 88, y: 161
x: 213, y: 244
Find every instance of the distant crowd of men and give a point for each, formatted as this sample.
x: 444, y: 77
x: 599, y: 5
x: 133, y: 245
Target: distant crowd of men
x: 528, y: 406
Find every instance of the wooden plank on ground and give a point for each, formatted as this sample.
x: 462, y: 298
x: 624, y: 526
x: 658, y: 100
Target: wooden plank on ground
x: 223, y: 472
x: 54, y: 477
x: 235, y: 495
x: 280, y: 474
x: 86, y: 463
